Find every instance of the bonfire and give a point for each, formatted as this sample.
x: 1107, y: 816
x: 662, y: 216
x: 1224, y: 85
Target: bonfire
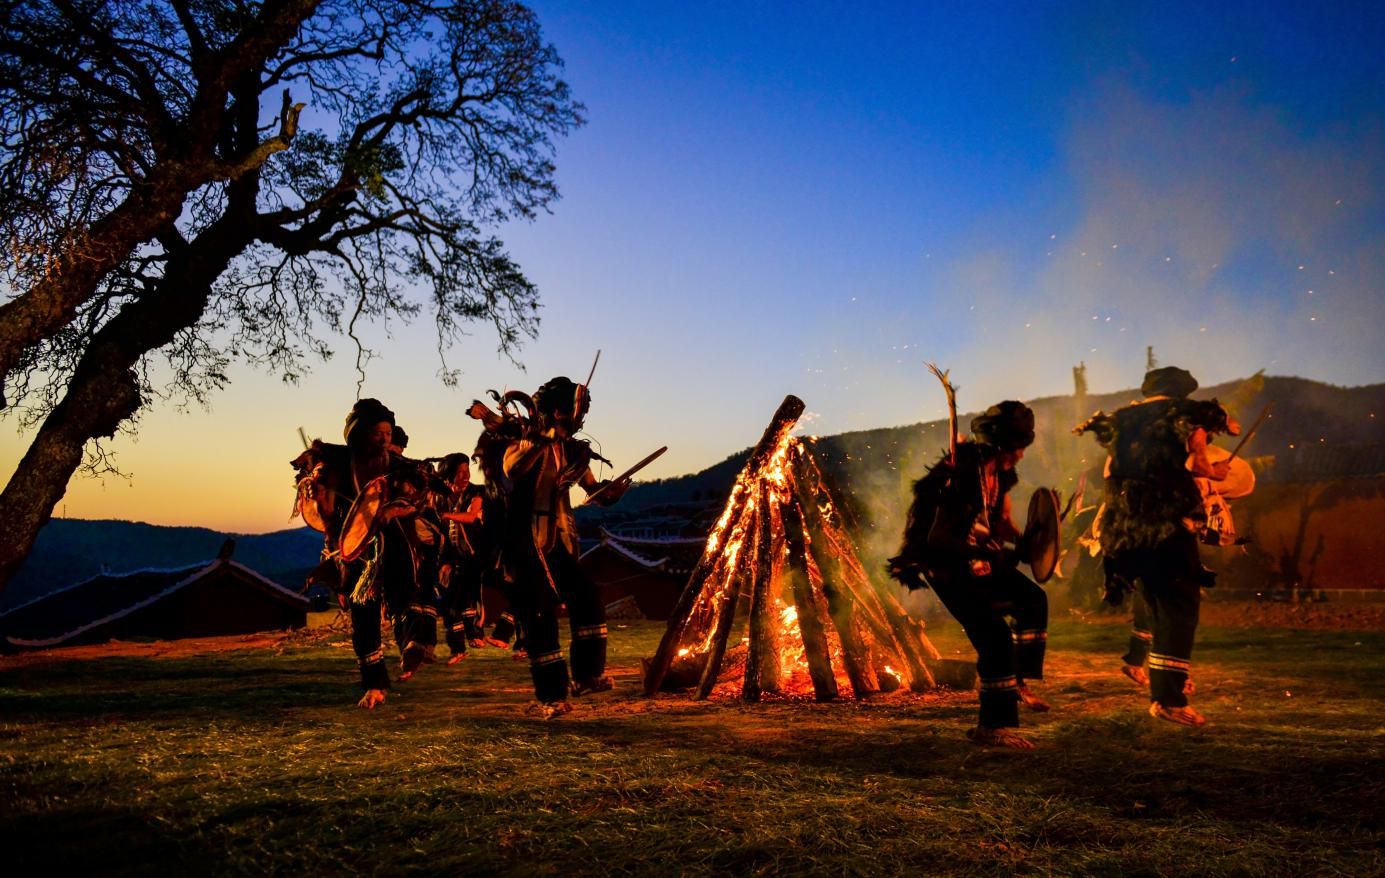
x: 817, y: 622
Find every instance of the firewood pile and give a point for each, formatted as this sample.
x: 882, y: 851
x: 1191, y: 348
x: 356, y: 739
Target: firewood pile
x: 814, y: 621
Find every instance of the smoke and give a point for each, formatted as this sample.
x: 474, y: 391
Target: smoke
x: 1208, y: 228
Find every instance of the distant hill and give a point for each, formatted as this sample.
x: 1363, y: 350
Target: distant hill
x: 70, y: 550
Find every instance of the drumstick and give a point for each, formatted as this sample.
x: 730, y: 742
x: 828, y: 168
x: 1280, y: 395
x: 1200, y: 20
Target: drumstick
x: 593, y: 371
x: 1264, y: 413
x: 625, y: 475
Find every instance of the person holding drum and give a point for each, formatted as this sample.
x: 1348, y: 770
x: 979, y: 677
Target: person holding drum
x: 541, y: 546
x: 1153, y: 510
x: 963, y: 540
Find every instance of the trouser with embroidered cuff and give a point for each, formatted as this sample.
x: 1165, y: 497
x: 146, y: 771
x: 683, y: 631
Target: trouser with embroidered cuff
x: 1141, y: 632
x: 365, y: 629
x: 1169, y: 577
x: 1005, y: 655
x: 586, y: 615
x: 416, y: 626
x: 366, y: 642
x: 462, y: 605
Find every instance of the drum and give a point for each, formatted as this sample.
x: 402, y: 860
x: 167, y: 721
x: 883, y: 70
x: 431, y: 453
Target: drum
x: 360, y: 527
x: 311, y: 496
x: 1239, y: 482
x: 1039, y: 545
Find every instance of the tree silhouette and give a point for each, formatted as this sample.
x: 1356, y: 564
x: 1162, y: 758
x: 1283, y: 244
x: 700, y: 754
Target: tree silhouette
x: 194, y: 182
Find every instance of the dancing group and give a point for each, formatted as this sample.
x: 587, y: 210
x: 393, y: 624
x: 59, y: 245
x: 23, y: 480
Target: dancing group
x: 962, y: 542
x: 414, y: 539
x: 410, y: 540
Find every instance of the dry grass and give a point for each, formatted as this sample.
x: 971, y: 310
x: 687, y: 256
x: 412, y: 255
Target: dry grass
x: 250, y: 761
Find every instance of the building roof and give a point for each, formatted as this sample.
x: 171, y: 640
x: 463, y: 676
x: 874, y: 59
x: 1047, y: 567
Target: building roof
x: 673, y: 555
x: 73, y: 610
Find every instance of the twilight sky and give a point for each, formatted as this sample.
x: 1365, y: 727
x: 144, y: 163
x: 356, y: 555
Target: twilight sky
x: 817, y: 198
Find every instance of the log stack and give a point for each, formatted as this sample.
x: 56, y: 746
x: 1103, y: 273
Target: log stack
x: 816, y: 621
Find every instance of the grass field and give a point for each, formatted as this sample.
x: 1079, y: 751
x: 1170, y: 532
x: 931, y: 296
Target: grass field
x: 254, y: 760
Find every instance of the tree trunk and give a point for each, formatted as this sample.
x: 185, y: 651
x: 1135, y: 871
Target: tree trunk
x: 104, y: 390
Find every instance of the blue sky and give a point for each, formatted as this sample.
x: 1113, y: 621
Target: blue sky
x: 818, y: 198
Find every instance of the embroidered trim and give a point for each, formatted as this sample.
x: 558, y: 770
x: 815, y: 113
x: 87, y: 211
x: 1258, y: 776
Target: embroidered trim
x: 1142, y: 635
x: 376, y: 656
x: 587, y: 632
x: 507, y: 617
x: 460, y: 626
x: 547, y: 658
x: 1168, y: 663
x: 1037, y: 636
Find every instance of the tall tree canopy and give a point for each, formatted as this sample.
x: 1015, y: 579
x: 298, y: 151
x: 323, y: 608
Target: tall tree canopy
x: 191, y: 182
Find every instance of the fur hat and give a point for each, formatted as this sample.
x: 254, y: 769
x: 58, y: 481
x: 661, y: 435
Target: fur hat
x: 1007, y: 425
x: 1168, y: 381
x: 560, y: 394
x: 365, y: 413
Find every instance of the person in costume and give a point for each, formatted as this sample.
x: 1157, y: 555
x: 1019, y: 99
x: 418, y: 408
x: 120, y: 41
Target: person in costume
x: 960, y: 541
x: 330, y: 478
x: 1153, y: 510
x: 541, y: 547
x: 465, y: 557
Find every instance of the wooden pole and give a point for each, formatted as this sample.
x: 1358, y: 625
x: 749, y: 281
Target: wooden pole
x: 788, y: 413
x: 855, y: 655
x: 843, y: 568
x: 726, y: 611
x: 810, y: 626
x: 762, y: 660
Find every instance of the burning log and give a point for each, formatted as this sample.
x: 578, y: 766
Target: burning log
x: 775, y: 435
x: 815, y: 647
x: 762, y: 663
x: 878, y: 609
x: 726, y: 612
x: 781, y: 521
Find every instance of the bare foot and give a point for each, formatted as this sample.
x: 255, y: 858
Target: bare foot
x: 1032, y: 701
x: 1183, y: 716
x: 589, y: 687
x: 549, y: 709
x: 371, y: 699
x: 477, y: 643
x: 1136, y: 674
x: 1188, y: 687
x: 456, y: 657
x: 497, y: 642
x: 519, y: 655
x: 1005, y: 738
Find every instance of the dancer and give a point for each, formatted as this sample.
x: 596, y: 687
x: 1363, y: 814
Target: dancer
x: 466, y: 553
x: 955, y: 542
x: 541, y: 546
x: 1153, y: 511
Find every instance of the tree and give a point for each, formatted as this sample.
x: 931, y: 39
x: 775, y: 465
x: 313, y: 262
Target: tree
x: 195, y: 182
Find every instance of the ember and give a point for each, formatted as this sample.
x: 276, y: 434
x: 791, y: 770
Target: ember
x: 816, y: 620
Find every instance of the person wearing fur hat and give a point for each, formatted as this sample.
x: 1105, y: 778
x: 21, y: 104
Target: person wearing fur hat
x: 1149, y: 523
x: 960, y: 541
x: 541, y: 547
x: 330, y: 478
